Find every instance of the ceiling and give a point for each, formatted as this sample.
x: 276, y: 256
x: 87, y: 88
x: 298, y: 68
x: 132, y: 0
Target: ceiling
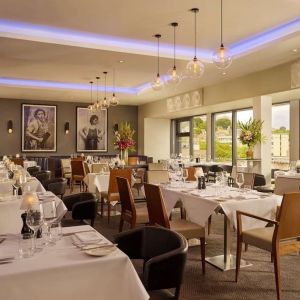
x: 50, y: 50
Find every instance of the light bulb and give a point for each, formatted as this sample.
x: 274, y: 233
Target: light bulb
x: 157, y: 83
x: 67, y: 131
x: 105, y: 103
x: 195, y: 68
x: 222, y: 58
x: 114, y: 100
x: 91, y: 107
x: 10, y: 130
x: 173, y: 76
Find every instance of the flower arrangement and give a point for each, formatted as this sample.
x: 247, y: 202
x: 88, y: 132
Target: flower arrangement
x: 250, y: 133
x: 123, y: 139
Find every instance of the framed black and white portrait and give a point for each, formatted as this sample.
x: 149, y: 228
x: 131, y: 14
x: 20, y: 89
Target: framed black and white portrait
x: 38, y: 128
x: 91, y: 131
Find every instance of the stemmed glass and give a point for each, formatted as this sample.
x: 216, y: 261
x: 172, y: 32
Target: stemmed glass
x: 185, y: 175
x: 49, y: 210
x: 35, y: 219
x: 239, y: 180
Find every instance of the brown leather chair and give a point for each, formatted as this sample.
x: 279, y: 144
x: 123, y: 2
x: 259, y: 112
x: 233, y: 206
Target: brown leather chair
x: 158, y: 216
x: 281, y: 239
x: 18, y: 161
x: 131, y: 214
x: 77, y: 173
x: 113, y: 192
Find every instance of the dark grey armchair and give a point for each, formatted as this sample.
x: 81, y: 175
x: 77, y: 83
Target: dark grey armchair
x: 43, y: 176
x: 33, y: 170
x: 57, y: 186
x: 164, y: 253
x: 82, y: 205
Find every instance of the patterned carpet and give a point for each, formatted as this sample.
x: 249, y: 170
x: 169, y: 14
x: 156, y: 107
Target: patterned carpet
x: 256, y: 282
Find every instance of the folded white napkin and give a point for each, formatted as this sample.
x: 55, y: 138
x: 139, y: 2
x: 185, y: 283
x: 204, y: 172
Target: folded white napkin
x: 87, y: 237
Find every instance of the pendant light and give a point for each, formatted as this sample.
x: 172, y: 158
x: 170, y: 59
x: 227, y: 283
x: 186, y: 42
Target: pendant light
x: 157, y: 83
x: 97, y: 104
x: 173, y: 76
x: 105, y: 102
x: 195, y: 68
x: 114, y: 100
x: 221, y: 56
x: 91, y: 106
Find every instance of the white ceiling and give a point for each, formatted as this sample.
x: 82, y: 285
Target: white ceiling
x: 25, y: 55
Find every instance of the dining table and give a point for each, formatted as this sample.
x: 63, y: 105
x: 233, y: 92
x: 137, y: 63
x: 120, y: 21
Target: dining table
x: 200, y: 204
x: 66, y: 271
x: 97, y: 182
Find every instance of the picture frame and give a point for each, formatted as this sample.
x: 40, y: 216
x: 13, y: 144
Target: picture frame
x: 39, y: 128
x: 91, y: 130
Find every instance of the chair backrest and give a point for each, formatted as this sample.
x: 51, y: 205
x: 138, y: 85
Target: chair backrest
x: 33, y: 170
x: 286, y: 185
x: 56, y: 185
x: 140, y: 173
x: 289, y: 216
x: 192, y: 172
x: 133, y: 160
x: 18, y: 161
x: 100, y: 167
x: 126, y: 198
x: 77, y: 167
x: 86, y: 168
x: 81, y: 158
x: 114, y: 173
x: 248, y: 179
x: 227, y: 168
x: 259, y: 180
x: 156, y: 206
x: 156, y: 177
x: 43, y: 176
x: 156, y: 167
x: 205, y: 168
x: 65, y: 165
x: 215, y: 168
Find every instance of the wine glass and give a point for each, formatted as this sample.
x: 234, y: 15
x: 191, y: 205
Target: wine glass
x: 239, y: 180
x: 35, y: 219
x: 49, y: 211
x: 184, y: 174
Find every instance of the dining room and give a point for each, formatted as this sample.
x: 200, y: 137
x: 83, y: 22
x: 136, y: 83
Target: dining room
x: 149, y: 150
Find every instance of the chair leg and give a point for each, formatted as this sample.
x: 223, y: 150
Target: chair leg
x: 246, y: 247
x: 92, y: 222
x: 108, y: 211
x: 121, y: 224
x: 239, y: 244
x: 202, y: 246
x: 277, y: 273
x: 71, y: 185
x: 101, y: 205
x: 209, y: 225
x: 177, y: 292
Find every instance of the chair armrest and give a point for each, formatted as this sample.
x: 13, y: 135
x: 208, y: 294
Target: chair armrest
x: 86, y: 209
x: 239, y: 214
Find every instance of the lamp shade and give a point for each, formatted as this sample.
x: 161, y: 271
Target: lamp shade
x: 10, y: 126
x: 67, y: 127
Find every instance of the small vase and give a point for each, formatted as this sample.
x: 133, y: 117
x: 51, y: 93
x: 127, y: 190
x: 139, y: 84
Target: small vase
x: 249, y: 153
x: 124, y: 156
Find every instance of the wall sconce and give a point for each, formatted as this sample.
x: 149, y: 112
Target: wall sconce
x: 10, y: 126
x: 116, y: 127
x: 67, y: 128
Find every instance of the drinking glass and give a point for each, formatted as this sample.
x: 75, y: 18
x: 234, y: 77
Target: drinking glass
x: 184, y: 173
x: 49, y: 211
x: 26, y: 245
x: 56, y: 231
x: 35, y: 219
x: 239, y: 179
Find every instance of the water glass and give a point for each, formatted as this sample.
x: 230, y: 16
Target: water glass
x: 239, y: 179
x: 55, y: 231
x: 26, y: 245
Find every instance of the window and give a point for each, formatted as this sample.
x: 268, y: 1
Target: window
x: 199, y: 137
x: 223, y: 137
x: 281, y: 136
x: 242, y: 116
x: 183, y: 137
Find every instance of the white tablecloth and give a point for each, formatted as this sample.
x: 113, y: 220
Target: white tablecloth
x: 29, y: 163
x: 200, y: 204
x: 10, y: 213
x: 64, y: 272
x: 97, y: 182
x: 32, y: 183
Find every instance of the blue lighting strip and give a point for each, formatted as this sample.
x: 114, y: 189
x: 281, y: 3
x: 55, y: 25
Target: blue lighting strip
x: 5, y: 81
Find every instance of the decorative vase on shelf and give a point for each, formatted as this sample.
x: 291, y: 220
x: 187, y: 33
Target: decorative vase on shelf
x: 124, y: 156
x: 249, y: 153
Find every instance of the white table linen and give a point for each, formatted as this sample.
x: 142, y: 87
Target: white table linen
x: 97, y: 182
x: 64, y: 272
x: 32, y: 183
x: 29, y: 163
x: 10, y: 213
x: 286, y: 184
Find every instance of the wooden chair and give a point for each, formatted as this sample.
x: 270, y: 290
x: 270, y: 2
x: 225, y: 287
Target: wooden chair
x: 140, y: 179
x: 192, y: 172
x: 212, y: 173
x: 66, y: 169
x: 113, y: 192
x: 248, y: 179
x: 158, y: 216
x: 18, y: 161
x: 77, y: 173
x: 281, y: 239
x: 131, y: 214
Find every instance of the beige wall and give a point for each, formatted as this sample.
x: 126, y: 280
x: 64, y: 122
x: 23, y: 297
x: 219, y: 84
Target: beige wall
x: 10, y: 144
x: 230, y: 94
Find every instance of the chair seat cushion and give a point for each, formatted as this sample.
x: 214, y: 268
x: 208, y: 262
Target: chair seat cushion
x: 188, y: 229
x: 142, y: 215
x: 259, y: 237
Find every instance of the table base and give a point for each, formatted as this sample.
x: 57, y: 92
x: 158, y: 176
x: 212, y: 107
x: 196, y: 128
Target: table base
x: 218, y: 262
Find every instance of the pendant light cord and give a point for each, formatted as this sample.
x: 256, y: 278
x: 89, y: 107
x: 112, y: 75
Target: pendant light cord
x: 105, y: 86
x: 158, y: 55
x: 221, y: 22
x: 174, y: 47
x: 113, y: 80
x: 97, y: 87
x: 91, y: 82
x: 195, y: 33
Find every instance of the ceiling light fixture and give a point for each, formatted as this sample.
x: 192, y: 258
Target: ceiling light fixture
x: 221, y: 57
x: 97, y: 104
x: 157, y: 83
x: 173, y: 76
x: 195, y: 68
x: 91, y: 106
x: 114, y: 100
x: 105, y: 103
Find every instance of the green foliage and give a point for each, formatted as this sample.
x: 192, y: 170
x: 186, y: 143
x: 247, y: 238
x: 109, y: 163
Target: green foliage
x: 241, y: 151
x: 224, y: 123
x: 199, y: 125
x: 223, y: 151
